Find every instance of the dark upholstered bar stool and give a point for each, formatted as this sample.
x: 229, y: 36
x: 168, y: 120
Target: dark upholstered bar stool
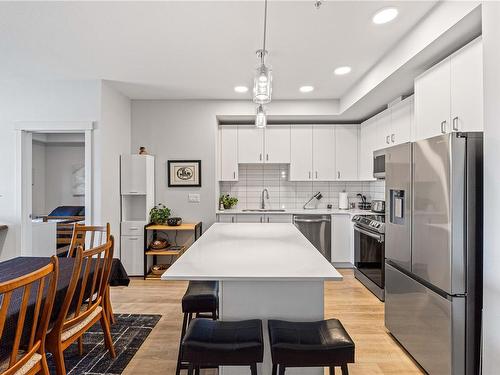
x: 310, y: 344
x: 202, y: 300
x: 210, y: 343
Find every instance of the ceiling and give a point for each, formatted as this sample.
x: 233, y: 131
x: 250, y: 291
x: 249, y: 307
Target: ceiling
x: 199, y: 50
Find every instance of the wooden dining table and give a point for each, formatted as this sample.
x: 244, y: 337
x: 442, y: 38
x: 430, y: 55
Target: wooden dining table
x: 19, y: 266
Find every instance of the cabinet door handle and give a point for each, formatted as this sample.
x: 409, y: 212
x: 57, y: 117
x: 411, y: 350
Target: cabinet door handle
x: 268, y: 219
x: 443, y: 127
x: 455, y: 123
x: 316, y: 175
x: 134, y: 228
x: 387, y: 139
x: 309, y: 174
x: 261, y: 219
x: 133, y: 238
x: 234, y: 175
x: 260, y: 156
x: 338, y: 174
x: 232, y: 219
x: 392, y: 138
x: 267, y: 157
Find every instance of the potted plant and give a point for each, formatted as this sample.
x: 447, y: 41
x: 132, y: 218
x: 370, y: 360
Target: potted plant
x: 228, y: 201
x: 159, y: 214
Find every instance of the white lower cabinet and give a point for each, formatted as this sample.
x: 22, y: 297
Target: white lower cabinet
x: 132, y: 254
x: 342, y: 244
x: 226, y: 218
x: 278, y: 218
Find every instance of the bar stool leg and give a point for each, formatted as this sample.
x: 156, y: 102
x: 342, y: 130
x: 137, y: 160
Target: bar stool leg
x: 190, y: 369
x: 197, y: 372
x: 183, y: 332
x: 281, y: 370
x: 275, y: 369
x: 345, y: 370
x: 253, y: 369
x: 332, y: 370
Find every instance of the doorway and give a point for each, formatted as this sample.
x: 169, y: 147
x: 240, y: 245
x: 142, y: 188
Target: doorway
x: 55, y: 181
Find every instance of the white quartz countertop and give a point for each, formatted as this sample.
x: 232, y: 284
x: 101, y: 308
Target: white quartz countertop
x: 299, y: 211
x: 248, y: 251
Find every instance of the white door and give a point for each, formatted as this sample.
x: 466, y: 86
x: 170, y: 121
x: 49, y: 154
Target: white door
x: 401, y: 122
x: 132, y: 255
x: 323, y: 153
x: 341, y: 239
x: 432, y: 101
x: 467, y: 88
x: 133, y: 174
x: 301, y: 153
x: 277, y: 144
x: 346, y: 152
x: 250, y: 218
x: 383, y: 131
x: 229, y: 153
x: 250, y: 144
x: 278, y: 218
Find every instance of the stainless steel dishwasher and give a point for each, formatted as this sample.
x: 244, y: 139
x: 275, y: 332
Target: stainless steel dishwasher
x: 318, y: 230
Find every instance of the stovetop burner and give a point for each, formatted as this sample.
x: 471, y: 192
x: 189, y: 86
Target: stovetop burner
x: 373, y: 223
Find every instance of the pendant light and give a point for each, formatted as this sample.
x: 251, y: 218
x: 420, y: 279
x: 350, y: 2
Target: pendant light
x: 262, y: 87
x: 260, y: 117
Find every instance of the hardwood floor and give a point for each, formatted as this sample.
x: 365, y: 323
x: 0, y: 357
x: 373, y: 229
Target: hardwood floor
x: 361, y: 313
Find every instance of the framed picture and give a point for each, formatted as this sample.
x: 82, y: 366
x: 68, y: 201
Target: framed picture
x: 184, y: 173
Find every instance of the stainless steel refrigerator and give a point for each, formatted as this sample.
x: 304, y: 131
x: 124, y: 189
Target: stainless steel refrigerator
x: 434, y: 250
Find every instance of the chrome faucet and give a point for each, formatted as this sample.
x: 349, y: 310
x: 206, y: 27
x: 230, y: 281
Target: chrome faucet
x: 262, y: 201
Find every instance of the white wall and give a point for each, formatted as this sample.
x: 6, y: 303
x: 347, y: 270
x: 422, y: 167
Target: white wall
x: 34, y: 101
x: 56, y: 101
x: 112, y: 138
x: 60, y: 159
x: 187, y: 129
x: 491, y: 306
x: 38, y: 183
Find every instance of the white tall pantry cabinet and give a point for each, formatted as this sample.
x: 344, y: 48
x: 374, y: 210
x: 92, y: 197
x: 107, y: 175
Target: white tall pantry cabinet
x: 137, y: 185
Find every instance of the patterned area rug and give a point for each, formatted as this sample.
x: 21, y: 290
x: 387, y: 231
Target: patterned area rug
x: 129, y: 332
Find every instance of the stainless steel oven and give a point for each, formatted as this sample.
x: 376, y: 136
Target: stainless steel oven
x: 369, y: 252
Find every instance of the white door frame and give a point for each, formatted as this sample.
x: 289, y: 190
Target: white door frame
x: 24, y: 131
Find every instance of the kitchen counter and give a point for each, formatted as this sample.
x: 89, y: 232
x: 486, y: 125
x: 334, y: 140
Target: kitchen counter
x: 249, y: 251
x: 265, y: 271
x: 298, y: 211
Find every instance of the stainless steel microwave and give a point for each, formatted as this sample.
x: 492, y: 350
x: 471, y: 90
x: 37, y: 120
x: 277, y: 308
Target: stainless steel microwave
x: 379, y: 164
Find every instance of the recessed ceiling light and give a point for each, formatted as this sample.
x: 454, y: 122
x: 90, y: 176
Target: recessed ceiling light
x: 341, y: 70
x: 306, y: 88
x: 241, y: 89
x: 385, y: 15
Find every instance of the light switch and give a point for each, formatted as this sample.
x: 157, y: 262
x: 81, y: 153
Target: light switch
x: 194, y: 198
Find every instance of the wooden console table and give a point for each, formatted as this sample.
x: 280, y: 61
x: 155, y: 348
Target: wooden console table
x: 154, y: 229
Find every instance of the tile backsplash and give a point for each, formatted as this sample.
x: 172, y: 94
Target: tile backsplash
x: 253, y: 178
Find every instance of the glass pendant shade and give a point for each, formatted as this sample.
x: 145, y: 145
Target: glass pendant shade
x: 262, y: 86
x: 260, y: 117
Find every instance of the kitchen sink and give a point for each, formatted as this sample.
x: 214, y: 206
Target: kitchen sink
x: 262, y: 210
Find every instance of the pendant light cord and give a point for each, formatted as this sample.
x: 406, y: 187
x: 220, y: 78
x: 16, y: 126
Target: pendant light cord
x: 265, y: 30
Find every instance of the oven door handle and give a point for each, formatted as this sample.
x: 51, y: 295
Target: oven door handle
x: 378, y: 237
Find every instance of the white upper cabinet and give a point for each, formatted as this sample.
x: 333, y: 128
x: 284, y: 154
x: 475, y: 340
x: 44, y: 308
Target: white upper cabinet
x: 384, y: 130
x: 401, y: 122
x: 449, y: 96
x: 134, y: 174
x: 432, y: 101
x: 228, y: 153
x: 466, y: 67
x: 277, y: 144
x: 250, y: 144
x: 323, y: 153
x: 346, y: 152
x: 367, y: 140
x: 301, y: 153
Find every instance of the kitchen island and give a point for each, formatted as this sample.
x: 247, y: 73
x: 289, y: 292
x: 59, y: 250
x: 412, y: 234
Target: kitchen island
x: 266, y: 271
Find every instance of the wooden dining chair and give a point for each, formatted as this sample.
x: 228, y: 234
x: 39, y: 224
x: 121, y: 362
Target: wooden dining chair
x: 28, y: 350
x: 83, y: 305
x: 90, y: 236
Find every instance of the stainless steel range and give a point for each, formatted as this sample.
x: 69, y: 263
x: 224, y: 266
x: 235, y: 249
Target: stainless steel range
x: 369, y: 252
